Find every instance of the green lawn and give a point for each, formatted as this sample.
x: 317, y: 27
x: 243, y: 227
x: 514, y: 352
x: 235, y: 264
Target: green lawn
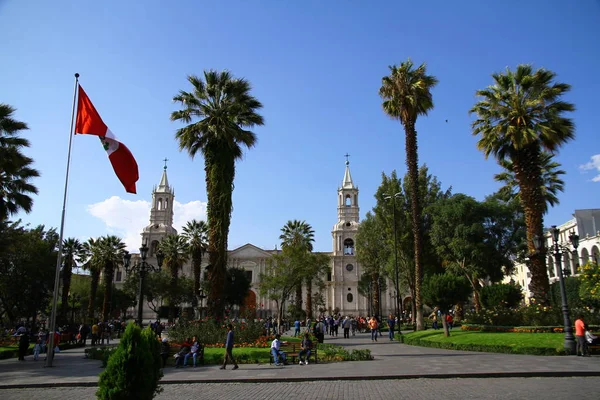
x: 496, y: 342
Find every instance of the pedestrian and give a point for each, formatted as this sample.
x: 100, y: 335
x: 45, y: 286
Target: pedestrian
x: 36, y: 350
x: 297, y: 327
x: 391, y: 324
x: 582, y: 348
x: 373, y: 326
x: 23, y: 345
x: 229, y: 348
x: 449, y: 321
x: 164, y: 351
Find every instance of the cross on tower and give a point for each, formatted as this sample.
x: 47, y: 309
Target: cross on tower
x: 165, y: 160
x: 347, y: 155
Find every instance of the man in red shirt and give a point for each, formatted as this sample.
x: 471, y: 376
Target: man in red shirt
x: 582, y: 349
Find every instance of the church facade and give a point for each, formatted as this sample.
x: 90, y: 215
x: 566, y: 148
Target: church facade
x: 341, y: 284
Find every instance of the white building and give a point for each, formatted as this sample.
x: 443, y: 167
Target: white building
x: 586, y: 224
x: 341, y: 290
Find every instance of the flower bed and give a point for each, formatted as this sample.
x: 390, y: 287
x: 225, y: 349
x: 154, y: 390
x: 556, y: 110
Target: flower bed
x: 518, y: 329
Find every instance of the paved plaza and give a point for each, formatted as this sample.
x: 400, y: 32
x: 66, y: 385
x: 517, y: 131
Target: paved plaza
x: 412, y: 372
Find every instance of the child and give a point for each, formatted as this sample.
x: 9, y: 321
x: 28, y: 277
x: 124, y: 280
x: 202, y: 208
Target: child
x: 37, y: 349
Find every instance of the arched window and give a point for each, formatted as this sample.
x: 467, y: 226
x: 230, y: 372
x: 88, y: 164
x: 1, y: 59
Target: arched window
x: 348, y: 200
x: 349, y: 247
x: 159, y: 204
x: 595, y: 256
x: 119, y: 276
x: 349, y: 297
x: 585, y: 256
x: 355, y: 200
x: 349, y: 267
x: 166, y: 204
x: 153, y: 247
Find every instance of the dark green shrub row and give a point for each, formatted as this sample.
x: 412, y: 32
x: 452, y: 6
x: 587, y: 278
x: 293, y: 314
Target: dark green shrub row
x: 538, y: 351
x: 100, y: 353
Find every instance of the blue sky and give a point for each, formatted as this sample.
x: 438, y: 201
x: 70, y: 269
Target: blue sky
x: 315, y: 65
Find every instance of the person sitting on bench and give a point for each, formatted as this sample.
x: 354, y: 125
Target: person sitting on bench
x: 591, y: 338
x: 276, y: 352
x: 306, y: 348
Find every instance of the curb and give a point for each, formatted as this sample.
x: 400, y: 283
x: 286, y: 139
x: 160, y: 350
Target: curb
x: 549, y: 374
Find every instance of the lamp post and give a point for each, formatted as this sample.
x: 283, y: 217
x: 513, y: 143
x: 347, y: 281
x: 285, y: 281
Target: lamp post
x: 569, y: 343
x: 142, y: 268
x: 394, y: 197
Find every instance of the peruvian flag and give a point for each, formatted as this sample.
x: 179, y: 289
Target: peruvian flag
x: 90, y: 123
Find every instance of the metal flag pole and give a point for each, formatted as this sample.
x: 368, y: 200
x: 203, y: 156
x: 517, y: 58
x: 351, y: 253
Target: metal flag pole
x: 52, y: 327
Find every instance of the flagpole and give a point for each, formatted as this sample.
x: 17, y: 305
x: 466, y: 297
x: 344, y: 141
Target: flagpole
x: 52, y: 327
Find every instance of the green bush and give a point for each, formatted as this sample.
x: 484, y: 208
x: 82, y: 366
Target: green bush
x: 100, y: 353
x: 572, y: 285
x: 329, y: 352
x: 501, y: 295
x: 134, y: 369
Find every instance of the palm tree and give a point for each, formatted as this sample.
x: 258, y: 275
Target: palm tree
x: 15, y: 168
x: 301, y: 235
x: 195, y: 233
x: 407, y: 95
x: 224, y: 112
x: 92, y: 252
x: 72, y: 252
x: 552, y: 183
x: 176, y: 252
x: 518, y: 117
x: 111, y: 256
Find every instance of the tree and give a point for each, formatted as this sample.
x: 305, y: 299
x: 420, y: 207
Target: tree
x: 444, y: 291
x: 518, y: 118
x: 552, y: 183
x: 195, y: 233
x: 72, y: 252
x: 315, y: 269
x: 237, y: 286
x: 226, y: 111
x: 281, y: 276
x: 460, y: 237
x: 506, y: 295
x: 298, y: 234
x: 407, y: 95
x: 15, y: 167
x: 93, y: 252
x: 372, y: 251
x: 176, y: 252
x: 589, y: 286
x: 108, y: 253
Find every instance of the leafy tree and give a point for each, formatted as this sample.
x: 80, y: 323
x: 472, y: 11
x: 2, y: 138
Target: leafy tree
x: 369, y: 286
x: 407, y: 95
x: 93, y: 252
x: 176, y: 252
x: 501, y: 295
x: 460, y: 237
x: 219, y: 111
x: 589, y: 288
x: 518, y: 118
x: 315, y: 269
x: 444, y: 291
x: 298, y: 234
x: 195, y: 233
x: 15, y: 168
x: 72, y: 251
x: 134, y: 369
x: 552, y: 183
x: 282, y: 274
x: 372, y: 252
x: 237, y: 287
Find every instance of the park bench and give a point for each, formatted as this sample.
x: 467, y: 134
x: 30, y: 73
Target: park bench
x: 292, y: 350
x: 174, y: 348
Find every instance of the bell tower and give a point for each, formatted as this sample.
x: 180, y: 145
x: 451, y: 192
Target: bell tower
x: 161, y: 214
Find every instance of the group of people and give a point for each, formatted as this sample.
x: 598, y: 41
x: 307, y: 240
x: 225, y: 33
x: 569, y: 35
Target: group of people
x: 280, y: 357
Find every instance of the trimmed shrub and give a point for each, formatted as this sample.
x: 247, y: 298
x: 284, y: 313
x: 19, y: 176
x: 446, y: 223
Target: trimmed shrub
x: 134, y: 369
x: 501, y: 295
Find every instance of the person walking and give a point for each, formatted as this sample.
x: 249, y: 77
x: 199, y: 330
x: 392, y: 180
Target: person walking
x: 297, y: 327
x: 391, y: 325
x: 229, y: 348
x: 23, y: 345
x: 373, y: 325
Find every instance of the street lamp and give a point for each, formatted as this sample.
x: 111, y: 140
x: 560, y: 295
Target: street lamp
x: 394, y: 197
x: 142, y: 268
x: 569, y: 343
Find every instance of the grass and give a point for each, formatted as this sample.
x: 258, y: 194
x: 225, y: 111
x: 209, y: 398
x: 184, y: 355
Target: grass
x: 495, y: 342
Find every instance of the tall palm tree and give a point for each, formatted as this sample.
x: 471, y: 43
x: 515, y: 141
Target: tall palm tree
x: 196, y: 234
x: 72, y: 252
x: 219, y: 111
x: 406, y: 95
x: 301, y: 235
x: 518, y: 117
x: 111, y: 256
x: 93, y: 264
x: 552, y: 183
x: 15, y: 168
x: 176, y: 252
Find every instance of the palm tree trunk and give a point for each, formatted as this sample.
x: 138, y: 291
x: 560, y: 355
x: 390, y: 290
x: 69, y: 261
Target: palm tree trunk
x: 413, y: 181
x: 95, y: 278
x: 375, y: 284
x: 298, y: 299
x: 66, y: 278
x: 197, y: 261
x: 172, y: 303
x: 220, y: 173
x: 528, y: 174
x: 309, y: 312
x: 109, y: 271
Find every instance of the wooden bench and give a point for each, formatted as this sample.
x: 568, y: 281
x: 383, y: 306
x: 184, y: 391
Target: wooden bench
x: 292, y: 350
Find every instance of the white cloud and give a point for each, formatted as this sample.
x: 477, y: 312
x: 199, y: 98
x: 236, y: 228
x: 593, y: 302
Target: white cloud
x: 127, y: 218
x: 593, y: 165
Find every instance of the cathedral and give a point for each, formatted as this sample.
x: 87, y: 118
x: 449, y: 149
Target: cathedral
x: 341, y: 284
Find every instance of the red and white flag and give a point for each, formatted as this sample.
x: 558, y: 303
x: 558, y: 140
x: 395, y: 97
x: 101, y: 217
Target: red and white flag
x: 90, y: 123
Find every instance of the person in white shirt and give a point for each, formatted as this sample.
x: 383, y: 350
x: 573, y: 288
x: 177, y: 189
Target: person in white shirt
x: 275, y: 344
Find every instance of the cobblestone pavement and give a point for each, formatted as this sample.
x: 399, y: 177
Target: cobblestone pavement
x: 448, y: 389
